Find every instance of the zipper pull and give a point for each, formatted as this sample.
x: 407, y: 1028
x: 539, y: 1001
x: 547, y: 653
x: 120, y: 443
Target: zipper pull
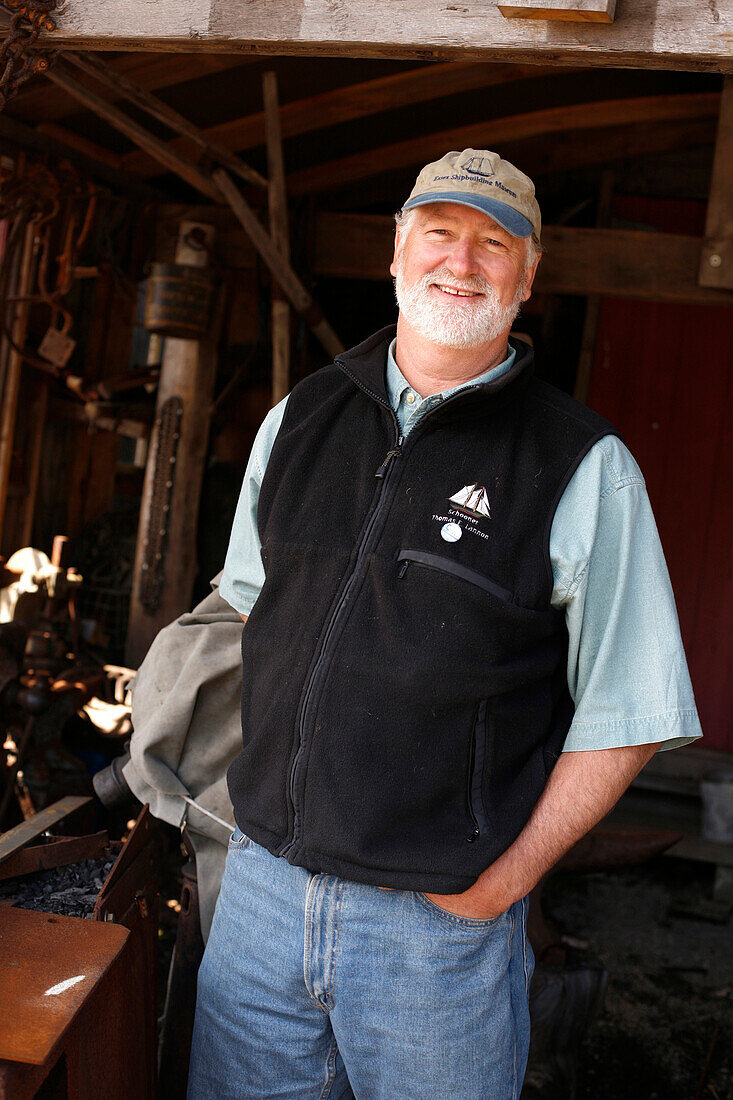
x: 381, y: 472
x: 403, y: 569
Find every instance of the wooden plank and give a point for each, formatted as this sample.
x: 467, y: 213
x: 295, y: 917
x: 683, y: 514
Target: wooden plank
x: 150, y: 71
x: 493, y: 132
x: 127, y: 126
x: 370, y: 97
x: 122, y: 87
x: 82, y: 145
x: 18, y: 320
x: 279, y: 267
x: 17, y: 837
x: 627, y: 264
x: 716, y: 261
x: 279, y: 232
x: 17, y: 136
x: 622, y: 263
x: 563, y: 11
x: 59, y: 853
x: 187, y: 375
x: 38, y: 419
x: 561, y: 152
x: 666, y: 34
x: 220, y: 187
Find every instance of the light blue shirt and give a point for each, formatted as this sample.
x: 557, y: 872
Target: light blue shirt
x: 627, y: 672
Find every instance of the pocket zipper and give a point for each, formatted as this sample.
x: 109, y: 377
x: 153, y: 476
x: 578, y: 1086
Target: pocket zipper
x: 452, y: 569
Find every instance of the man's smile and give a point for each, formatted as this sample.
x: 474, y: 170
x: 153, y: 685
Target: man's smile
x: 457, y: 292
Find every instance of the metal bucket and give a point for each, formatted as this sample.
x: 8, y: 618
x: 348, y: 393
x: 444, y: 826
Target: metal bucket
x: 178, y: 300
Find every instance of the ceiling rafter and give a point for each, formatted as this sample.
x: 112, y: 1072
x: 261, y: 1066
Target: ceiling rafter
x: 150, y: 71
x: 330, y: 175
x: 350, y: 102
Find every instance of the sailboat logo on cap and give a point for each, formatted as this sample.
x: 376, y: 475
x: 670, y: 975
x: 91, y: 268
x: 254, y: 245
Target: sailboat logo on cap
x: 472, y: 499
x: 475, y: 165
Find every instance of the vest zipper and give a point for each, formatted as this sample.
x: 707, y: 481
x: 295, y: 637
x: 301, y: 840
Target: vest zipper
x: 384, y: 474
x: 474, y: 793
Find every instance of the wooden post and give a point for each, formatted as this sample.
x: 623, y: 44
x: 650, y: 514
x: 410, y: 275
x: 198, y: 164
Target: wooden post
x: 279, y: 231
x: 38, y: 419
x: 716, y: 266
x: 170, y: 499
x: 14, y: 363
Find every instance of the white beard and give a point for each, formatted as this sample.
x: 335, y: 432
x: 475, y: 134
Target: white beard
x: 460, y: 323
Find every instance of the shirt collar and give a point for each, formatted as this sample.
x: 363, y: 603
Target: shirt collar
x: 397, y: 384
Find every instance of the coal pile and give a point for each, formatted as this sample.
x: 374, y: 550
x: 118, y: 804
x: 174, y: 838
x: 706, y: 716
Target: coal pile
x: 71, y: 891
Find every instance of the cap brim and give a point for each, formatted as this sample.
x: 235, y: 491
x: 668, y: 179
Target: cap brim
x: 510, y: 219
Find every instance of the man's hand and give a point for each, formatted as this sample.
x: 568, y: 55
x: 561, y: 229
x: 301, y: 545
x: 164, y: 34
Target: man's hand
x: 582, y: 788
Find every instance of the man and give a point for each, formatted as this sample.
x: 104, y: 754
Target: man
x: 463, y: 649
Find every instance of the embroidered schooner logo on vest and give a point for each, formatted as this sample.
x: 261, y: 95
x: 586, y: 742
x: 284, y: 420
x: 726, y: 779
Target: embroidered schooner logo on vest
x: 472, y: 499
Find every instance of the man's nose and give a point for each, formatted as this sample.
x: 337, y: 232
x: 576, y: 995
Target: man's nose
x: 463, y: 259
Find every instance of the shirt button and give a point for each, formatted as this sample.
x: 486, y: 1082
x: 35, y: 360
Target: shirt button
x: 410, y: 398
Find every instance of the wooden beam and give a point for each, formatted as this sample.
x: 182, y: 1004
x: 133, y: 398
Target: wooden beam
x: 122, y: 87
x: 561, y: 152
x: 218, y: 187
x: 370, y: 97
x: 626, y: 264
x: 665, y: 34
x: 279, y: 231
x: 716, y: 261
x: 554, y: 152
x: 562, y: 11
x: 150, y: 71
x: 16, y: 135
x: 577, y: 116
x: 187, y: 376
x: 173, y: 161
x: 81, y: 144
x: 279, y: 267
x: 17, y: 319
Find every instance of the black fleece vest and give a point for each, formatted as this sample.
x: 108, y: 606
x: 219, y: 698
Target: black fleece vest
x: 404, y: 690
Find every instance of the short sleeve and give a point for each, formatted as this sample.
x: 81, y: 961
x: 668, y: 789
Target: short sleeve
x: 244, y: 575
x: 627, y: 671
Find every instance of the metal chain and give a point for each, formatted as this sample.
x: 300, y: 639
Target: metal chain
x: 29, y: 18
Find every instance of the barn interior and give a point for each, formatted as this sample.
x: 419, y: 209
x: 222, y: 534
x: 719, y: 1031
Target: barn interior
x: 185, y: 236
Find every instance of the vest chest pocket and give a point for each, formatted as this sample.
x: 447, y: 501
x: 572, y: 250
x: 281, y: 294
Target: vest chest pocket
x: 453, y: 569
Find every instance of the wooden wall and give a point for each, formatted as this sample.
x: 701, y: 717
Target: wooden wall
x: 663, y: 375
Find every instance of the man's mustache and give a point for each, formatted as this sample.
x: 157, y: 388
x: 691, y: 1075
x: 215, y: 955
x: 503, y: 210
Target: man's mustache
x: 474, y: 283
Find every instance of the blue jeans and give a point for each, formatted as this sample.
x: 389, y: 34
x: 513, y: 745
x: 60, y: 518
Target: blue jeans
x: 313, y: 986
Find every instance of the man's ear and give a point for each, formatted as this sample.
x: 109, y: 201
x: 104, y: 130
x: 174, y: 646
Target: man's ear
x: 397, y: 246
x: 529, y: 275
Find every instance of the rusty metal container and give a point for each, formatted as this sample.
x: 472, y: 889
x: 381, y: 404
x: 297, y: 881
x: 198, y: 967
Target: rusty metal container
x: 178, y: 300
x: 80, y: 995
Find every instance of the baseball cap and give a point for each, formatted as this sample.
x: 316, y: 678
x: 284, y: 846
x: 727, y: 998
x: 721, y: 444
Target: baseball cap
x: 481, y: 179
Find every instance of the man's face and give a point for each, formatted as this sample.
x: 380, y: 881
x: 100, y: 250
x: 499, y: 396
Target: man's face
x: 460, y: 278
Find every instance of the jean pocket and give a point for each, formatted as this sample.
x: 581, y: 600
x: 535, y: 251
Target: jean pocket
x: 238, y: 839
x: 455, y: 918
